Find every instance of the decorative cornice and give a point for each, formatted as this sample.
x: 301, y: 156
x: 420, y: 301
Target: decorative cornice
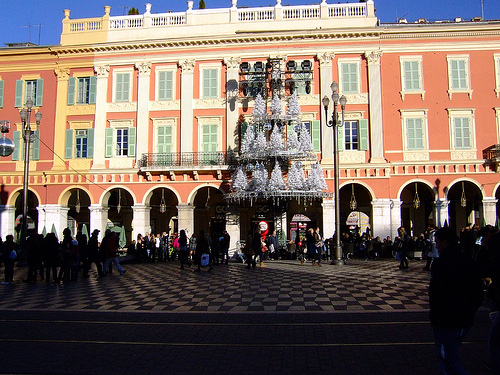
x: 62, y: 73
x: 373, y: 57
x: 102, y: 71
x: 144, y: 67
x: 325, y: 58
x: 187, y: 66
x: 232, y: 62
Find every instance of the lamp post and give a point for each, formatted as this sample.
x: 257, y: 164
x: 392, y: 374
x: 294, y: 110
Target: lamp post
x: 25, y: 115
x: 334, y: 124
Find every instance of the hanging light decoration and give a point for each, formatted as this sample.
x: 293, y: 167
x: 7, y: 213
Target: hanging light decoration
x: 77, y: 205
x: 463, y: 200
x: 119, y: 206
x: 163, y: 206
x: 208, y: 198
x: 416, y: 200
x: 353, y: 204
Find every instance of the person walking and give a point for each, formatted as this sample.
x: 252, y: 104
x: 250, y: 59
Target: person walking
x: 455, y: 293
x: 248, y: 251
x: 310, y: 245
x: 51, y: 256
x: 433, y: 253
x: 402, y: 247
x: 110, y: 245
x: 225, y: 240
x: 93, y: 255
x: 202, y: 247
x: 183, y: 249
x: 257, y: 247
x: 9, y: 255
x: 318, y: 245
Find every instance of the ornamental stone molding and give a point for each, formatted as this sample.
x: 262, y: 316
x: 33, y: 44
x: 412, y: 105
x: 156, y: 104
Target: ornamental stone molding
x: 232, y: 62
x: 102, y: 71
x: 325, y: 58
x: 463, y: 155
x: 62, y: 73
x: 165, y: 105
x: 373, y: 57
x: 352, y: 157
x: 81, y: 109
x: 209, y: 103
x: 308, y: 99
x: 121, y: 107
x: 415, y: 156
x: 187, y: 66
x: 361, y: 98
x: 143, y: 67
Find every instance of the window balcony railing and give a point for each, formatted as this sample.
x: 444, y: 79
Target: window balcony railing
x: 186, y: 160
x: 491, y: 155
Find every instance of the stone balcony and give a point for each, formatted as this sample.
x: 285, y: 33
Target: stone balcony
x: 195, y: 23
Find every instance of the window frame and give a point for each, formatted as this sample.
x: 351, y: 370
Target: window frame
x: 496, y: 59
x: 123, y: 72
x: 158, y: 72
x: 460, y: 152
x: 404, y: 90
x: 202, y: 70
x: 451, y: 90
x: 340, y: 63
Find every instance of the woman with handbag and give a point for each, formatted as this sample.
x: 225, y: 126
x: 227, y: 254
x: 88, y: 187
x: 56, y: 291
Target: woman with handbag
x: 318, y: 245
x: 183, y: 249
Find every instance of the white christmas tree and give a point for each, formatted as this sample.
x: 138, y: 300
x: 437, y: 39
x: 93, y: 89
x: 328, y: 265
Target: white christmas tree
x: 259, y: 113
x: 305, y: 143
x: 292, y: 142
x: 293, y: 106
x: 240, y: 181
x: 276, y: 181
x: 316, y: 180
x: 259, y: 179
x: 260, y: 143
x: 248, y: 140
x: 296, y: 179
x: 276, y: 140
x: 276, y: 105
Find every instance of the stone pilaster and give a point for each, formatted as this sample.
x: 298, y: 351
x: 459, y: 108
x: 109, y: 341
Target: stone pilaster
x: 326, y: 78
x: 382, y: 225
x: 187, y: 127
x: 98, y: 218
x: 7, y: 219
x: 185, y: 213
x: 490, y: 210
x: 142, y: 132
x: 142, y: 220
x: 232, y: 90
x: 328, y: 218
x: 100, y: 116
x: 375, y: 105
x: 53, y: 215
x: 60, y: 116
x: 441, y: 212
x: 395, y: 216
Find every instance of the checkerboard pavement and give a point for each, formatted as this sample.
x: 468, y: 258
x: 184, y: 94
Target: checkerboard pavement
x: 282, y: 286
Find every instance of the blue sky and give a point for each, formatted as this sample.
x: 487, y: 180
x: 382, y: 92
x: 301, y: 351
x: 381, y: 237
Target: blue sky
x: 49, y: 13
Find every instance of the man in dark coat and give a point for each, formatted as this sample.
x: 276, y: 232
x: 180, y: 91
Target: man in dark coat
x: 455, y: 294
x: 93, y: 255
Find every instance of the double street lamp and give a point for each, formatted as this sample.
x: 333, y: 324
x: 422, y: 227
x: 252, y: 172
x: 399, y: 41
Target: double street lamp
x: 334, y: 123
x: 28, y: 136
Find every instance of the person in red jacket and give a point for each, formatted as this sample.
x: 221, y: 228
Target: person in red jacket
x: 110, y: 245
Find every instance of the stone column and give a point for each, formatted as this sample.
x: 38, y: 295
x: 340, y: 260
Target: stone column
x: 326, y: 79
x: 142, y: 220
x: 328, y: 218
x: 142, y: 128
x: 98, y: 218
x: 60, y: 116
x: 490, y: 210
x: 7, y: 219
x: 100, y: 116
x: 382, y: 225
x: 232, y: 90
x: 441, y: 212
x: 395, y: 216
x: 53, y: 215
x: 375, y: 105
x: 187, y: 128
x: 185, y: 214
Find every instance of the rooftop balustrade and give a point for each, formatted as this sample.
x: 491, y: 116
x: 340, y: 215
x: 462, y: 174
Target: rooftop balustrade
x: 194, y: 22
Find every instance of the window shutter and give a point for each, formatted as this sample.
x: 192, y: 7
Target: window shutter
x: 71, y: 90
x: 39, y: 93
x: 19, y: 93
x: 16, y: 137
x: 165, y: 86
x: 1, y: 93
x: 340, y: 138
x: 68, y: 154
x: 363, y: 135
x: 92, y: 89
x: 316, y: 135
x: 90, y: 143
x: 109, y: 142
x: 36, y: 146
x: 131, y: 142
